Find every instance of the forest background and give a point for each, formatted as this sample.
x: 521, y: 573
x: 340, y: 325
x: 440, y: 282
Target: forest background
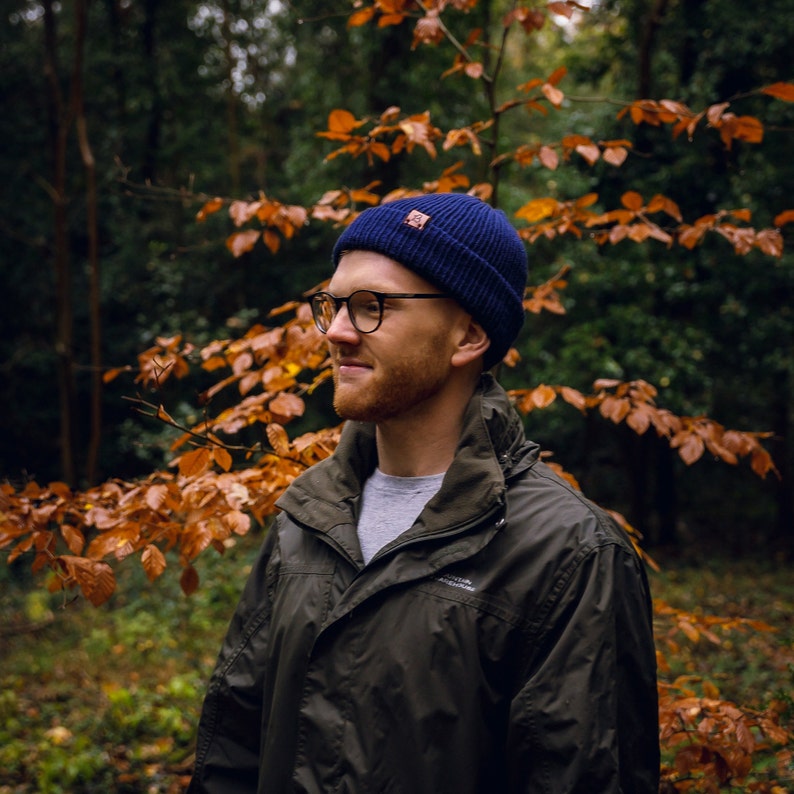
x: 169, y: 105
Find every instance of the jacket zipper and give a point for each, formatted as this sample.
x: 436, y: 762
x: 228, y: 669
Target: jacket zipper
x: 447, y: 532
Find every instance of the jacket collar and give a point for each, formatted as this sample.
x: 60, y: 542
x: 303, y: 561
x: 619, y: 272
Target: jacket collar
x: 492, y: 448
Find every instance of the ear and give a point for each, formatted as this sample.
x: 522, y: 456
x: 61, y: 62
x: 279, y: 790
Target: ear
x: 471, y: 344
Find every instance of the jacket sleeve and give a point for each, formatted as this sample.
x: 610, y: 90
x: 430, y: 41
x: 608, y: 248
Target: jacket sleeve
x: 585, y: 720
x: 230, y: 727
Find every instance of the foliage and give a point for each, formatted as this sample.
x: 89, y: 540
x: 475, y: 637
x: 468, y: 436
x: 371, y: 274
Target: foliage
x: 109, y: 706
x: 708, y: 664
x: 229, y: 466
x: 209, y: 498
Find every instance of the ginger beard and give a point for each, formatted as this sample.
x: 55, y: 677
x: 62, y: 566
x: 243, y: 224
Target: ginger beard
x: 394, y: 386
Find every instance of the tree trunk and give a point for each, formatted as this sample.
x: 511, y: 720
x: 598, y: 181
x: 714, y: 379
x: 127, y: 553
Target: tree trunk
x: 666, y: 496
x: 89, y: 164
x: 785, y: 496
x: 232, y: 102
x: 60, y: 122
x: 152, y: 146
x: 645, y: 53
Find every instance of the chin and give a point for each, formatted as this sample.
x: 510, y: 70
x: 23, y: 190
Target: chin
x: 367, y: 405
x: 357, y: 411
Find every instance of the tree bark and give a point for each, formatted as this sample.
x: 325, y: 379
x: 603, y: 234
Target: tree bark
x: 232, y: 103
x: 152, y: 146
x: 645, y: 53
x: 92, y: 224
x: 60, y: 123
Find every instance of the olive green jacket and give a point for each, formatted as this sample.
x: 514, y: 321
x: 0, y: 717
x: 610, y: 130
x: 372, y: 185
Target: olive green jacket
x: 502, y: 644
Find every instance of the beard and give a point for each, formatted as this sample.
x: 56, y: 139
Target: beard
x: 395, y: 390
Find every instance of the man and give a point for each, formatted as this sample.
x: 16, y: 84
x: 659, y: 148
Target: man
x: 433, y: 610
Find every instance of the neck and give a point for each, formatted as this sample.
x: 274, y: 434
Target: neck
x: 424, y: 441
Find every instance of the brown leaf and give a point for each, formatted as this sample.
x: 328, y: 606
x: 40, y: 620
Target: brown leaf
x: 543, y: 396
x: 606, y: 383
x: 287, y: 405
x: 554, y: 95
x: 153, y: 561
x: 249, y: 381
x: 340, y: 120
x: 271, y: 240
x: 784, y: 91
x: 660, y: 203
x: 213, y: 205
x: 549, y: 157
x: 242, y: 211
x: 770, y: 241
x: 474, y: 70
x: 101, y: 518
x: 590, y: 152
x: 75, y: 540
x: 222, y: 457
x: 380, y: 150
x: 195, y: 462
x: 747, y: 128
x: 573, y: 397
x: 787, y: 216
x: 530, y: 84
x: 237, y: 521
x: 639, y: 420
x: 189, y: 581
x: 537, y: 209
x: 744, y: 737
x: 618, y: 233
x: 690, y: 447
x: 715, y: 112
x: 156, y: 496
x: 690, y: 236
x: 562, y: 8
x: 278, y: 438
x: 99, y: 586
x: 761, y: 462
x: 112, y: 374
x: 529, y: 18
x: 615, y: 408
x: 615, y: 155
x: 94, y: 578
x: 631, y: 200
x: 390, y: 19
x: 241, y: 243
x: 557, y: 75
x: 692, y: 634
x: 361, y: 17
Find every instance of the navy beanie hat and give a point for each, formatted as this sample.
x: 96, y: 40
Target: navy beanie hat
x: 460, y: 244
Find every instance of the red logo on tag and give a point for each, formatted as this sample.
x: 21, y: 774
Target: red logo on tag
x: 416, y: 219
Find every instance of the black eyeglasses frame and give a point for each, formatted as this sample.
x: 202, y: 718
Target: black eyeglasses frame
x: 380, y: 297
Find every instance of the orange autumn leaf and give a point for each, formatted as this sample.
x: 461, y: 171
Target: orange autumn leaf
x: 153, y: 561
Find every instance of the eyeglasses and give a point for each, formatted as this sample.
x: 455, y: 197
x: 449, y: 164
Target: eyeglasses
x: 364, y: 307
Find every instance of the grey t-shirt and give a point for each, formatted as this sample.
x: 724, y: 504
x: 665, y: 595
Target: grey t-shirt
x: 389, y: 506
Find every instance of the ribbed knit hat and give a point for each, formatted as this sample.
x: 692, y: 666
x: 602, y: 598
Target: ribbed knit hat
x: 460, y: 244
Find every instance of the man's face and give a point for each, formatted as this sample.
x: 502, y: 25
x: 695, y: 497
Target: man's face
x: 402, y: 366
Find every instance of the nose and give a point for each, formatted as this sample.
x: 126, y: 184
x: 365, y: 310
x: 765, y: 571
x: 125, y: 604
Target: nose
x: 342, y: 330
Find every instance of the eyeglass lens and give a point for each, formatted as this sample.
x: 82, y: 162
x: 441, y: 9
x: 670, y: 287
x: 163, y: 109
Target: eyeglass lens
x: 365, y: 309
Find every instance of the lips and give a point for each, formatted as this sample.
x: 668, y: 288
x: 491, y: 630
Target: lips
x: 349, y: 365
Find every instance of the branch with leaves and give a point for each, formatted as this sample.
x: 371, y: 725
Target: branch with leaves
x: 713, y: 743
x: 214, y: 489
x: 634, y: 403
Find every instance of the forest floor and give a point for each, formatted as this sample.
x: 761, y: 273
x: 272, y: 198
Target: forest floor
x: 107, y: 699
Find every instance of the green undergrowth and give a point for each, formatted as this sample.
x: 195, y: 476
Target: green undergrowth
x: 730, y: 649
x: 106, y: 700
x: 750, y: 660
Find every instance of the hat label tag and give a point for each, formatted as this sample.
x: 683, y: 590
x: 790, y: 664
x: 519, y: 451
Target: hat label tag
x: 416, y: 219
